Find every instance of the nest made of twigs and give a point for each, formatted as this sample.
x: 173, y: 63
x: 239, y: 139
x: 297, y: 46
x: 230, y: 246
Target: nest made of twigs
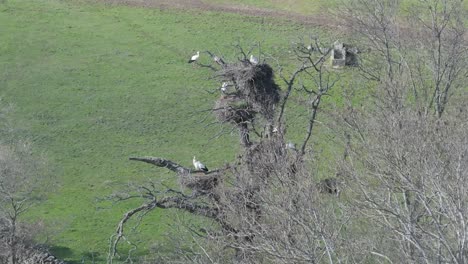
x: 233, y: 109
x: 265, y: 158
x: 200, y: 181
x: 255, y: 85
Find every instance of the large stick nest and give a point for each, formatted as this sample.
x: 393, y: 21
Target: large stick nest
x: 255, y: 85
x: 200, y: 181
x: 265, y: 158
x: 233, y: 109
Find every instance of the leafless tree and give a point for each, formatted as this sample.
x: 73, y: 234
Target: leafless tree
x: 403, y: 171
x: 407, y: 162
x: 20, y: 188
x: 419, y: 51
x: 264, y: 207
x: 408, y: 174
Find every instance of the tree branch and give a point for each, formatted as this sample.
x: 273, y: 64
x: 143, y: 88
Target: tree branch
x: 164, y: 163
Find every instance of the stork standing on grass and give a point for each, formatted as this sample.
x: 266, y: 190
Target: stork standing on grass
x: 253, y: 60
x: 194, y: 57
x: 198, y: 165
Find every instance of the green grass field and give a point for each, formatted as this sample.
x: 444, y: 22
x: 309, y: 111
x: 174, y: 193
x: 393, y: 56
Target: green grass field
x: 93, y: 85
x: 301, y: 6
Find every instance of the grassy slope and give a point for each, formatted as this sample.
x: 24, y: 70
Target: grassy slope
x: 306, y: 7
x: 301, y: 6
x: 93, y: 85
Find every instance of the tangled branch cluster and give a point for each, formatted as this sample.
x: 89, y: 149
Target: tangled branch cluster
x: 255, y: 92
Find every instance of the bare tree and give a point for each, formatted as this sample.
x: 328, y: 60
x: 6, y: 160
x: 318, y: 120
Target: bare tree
x: 407, y: 173
x: 444, y: 61
x: 406, y: 167
x: 399, y: 194
x: 419, y: 52
x: 20, y: 188
x: 264, y: 207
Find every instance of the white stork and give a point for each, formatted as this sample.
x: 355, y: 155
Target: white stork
x: 224, y: 87
x: 194, y: 57
x: 198, y: 165
x: 253, y: 60
x: 291, y: 145
x: 218, y: 60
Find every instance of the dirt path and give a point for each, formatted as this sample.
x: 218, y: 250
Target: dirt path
x: 315, y: 20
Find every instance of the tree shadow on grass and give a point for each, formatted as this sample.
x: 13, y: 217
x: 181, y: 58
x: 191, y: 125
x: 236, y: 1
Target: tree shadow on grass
x: 61, y: 252
x: 91, y: 257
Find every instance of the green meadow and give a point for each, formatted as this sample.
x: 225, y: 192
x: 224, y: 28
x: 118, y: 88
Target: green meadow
x: 301, y: 7
x: 93, y: 84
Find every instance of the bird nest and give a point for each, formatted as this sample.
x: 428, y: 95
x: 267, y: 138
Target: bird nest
x: 233, y: 109
x: 254, y: 85
x: 265, y: 158
x: 200, y: 181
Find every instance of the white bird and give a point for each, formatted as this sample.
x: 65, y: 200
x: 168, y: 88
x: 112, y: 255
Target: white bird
x: 291, y: 145
x: 198, y: 165
x: 194, y: 57
x: 310, y: 48
x: 253, y: 60
x: 218, y: 60
x: 224, y: 87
